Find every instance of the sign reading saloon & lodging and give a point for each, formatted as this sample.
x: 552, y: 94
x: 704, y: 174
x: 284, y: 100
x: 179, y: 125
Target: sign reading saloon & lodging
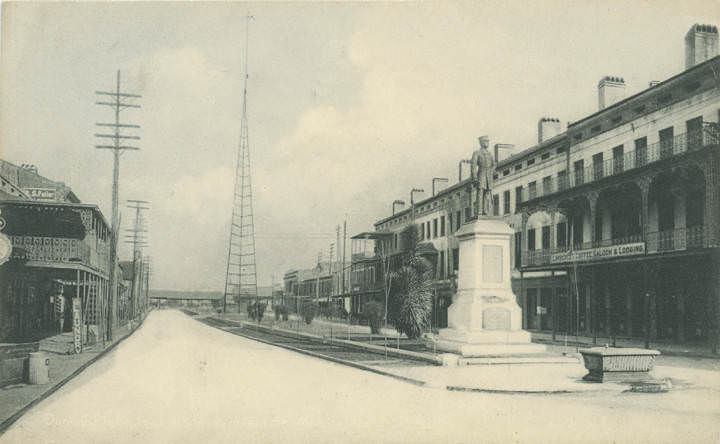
x: 592, y: 254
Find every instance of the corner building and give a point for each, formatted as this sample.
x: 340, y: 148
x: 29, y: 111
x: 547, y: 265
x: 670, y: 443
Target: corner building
x: 616, y: 218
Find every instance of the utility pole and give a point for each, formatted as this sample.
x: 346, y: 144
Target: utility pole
x: 148, y: 270
x: 330, y: 271
x: 138, y: 240
x: 343, y: 258
x: 317, y: 280
x: 117, y: 101
x: 336, y: 283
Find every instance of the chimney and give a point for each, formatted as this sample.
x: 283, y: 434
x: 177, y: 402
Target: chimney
x: 701, y: 44
x: 503, y: 151
x: 610, y: 90
x: 653, y: 83
x: 548, y: 127
x: 29, y: 167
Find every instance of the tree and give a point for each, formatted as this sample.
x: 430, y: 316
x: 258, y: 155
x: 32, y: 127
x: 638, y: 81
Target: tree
x: 308, y: 310
x: 374, y: 315
x: 411, y: 295
x: 382, y: 247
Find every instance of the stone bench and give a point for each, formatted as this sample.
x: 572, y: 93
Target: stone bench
x: 618, y: 364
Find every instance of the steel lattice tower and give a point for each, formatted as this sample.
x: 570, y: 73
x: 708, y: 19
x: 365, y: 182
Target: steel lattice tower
x: 241, y: 275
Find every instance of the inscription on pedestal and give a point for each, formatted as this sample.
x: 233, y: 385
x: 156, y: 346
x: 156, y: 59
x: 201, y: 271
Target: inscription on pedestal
x: 492, y: 263
x: 496, y: 318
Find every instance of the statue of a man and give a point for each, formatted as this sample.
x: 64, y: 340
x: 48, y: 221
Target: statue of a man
x: 482, y: 170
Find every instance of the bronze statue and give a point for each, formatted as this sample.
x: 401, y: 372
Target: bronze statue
x: 482, y: 170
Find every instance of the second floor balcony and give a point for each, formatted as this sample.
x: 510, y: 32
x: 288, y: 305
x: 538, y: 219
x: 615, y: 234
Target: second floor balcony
x: 57, y: 235
x: 672, y: 240
x: 615, y: 163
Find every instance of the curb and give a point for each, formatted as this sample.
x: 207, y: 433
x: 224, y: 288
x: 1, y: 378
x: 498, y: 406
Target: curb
x: 11, y: 420
x: 455, y: 388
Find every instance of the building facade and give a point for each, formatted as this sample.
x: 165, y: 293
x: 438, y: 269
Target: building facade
x: 60, y: 253
x: 616, y: 217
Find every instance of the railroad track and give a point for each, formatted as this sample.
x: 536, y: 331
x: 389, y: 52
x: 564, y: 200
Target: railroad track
x: 317, y: 347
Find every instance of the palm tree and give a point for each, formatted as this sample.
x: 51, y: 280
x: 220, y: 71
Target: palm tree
x: 412, y: 289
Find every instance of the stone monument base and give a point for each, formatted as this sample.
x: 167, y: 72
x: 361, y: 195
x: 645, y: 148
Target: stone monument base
x: 479, y: 344
x: 484, y: 319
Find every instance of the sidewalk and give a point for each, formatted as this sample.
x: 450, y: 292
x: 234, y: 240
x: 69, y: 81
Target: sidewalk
x: 667, y: 349
x: 16, y: 399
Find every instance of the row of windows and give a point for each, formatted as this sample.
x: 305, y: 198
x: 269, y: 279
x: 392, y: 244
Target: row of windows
x: 599, y: 168
x: 661, y: 101
x: 420, y: 209
x: 529, y: 162
x: 365, y: 275
x: 436, y: 228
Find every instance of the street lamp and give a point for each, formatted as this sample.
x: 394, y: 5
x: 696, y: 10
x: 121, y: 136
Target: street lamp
x: 412, y: 200
x: 397, y: 202
x: 438, y: 179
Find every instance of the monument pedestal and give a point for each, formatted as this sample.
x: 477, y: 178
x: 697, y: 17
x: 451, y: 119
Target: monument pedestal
x: 484, y: 319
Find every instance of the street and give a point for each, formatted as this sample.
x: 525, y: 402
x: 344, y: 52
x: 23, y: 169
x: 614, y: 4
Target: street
x: 177, y: 380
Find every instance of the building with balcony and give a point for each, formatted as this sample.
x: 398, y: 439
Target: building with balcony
x: 57, y: 249
x: 24, y: 182
x: 60, y: 248
x: 317, y: 284
x: 631, y: 215
x: 616, y: 217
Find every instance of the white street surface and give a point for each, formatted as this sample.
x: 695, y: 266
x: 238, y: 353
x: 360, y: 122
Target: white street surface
x: 178, y: 381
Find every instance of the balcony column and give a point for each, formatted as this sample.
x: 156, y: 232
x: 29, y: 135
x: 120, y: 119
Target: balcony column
x: 714, y: 284
x: 588, y: 308
x: 680, y: 290
x: 644, y: 184
x: 554, y: 307
x: 592, y: 198
x: 609, y: 318
x: 711, y: 171
x: 524, y: 216
x: 628, y: 294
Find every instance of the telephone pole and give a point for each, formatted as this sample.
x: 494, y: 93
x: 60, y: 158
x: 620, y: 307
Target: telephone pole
x: 117, y: 101
x: 330, y: 271
x: 336, y: 283
x: 148, y: 271
x: 343, y: 257
x: 138, y: 240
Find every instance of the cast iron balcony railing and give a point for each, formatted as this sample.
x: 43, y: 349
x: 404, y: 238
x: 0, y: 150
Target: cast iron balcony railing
x: 51, y: 249
x: 676, y: 239
x: 613, y: 166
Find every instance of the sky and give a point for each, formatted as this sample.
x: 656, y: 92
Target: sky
x: 350, y: 105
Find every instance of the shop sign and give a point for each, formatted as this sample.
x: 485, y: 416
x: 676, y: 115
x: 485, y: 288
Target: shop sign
x: 592, y: 254
x: 77, y: 324
x: 41, y: 193
x: 5, y: 248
